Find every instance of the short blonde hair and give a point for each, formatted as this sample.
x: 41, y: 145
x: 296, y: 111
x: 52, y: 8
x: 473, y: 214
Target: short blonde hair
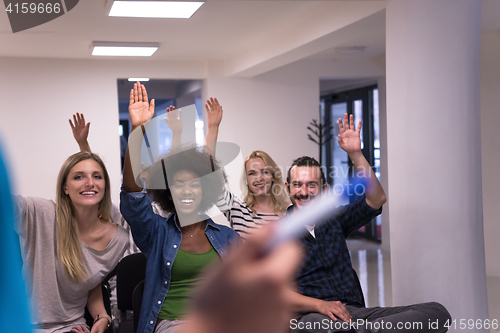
x: 278, y: 190
x: 69, y: 250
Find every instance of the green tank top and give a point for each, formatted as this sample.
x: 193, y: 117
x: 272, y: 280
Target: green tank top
x: 185, y: 275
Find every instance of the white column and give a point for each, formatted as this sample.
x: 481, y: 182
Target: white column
x: 382, y: 111
x: 434, y: 155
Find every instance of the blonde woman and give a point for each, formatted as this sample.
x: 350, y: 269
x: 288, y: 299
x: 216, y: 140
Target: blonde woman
x: 69, y: 246
x: 264, y: 196
x: 263, y: 188
x: 264, y: 193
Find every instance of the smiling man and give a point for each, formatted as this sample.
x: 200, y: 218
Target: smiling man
x: 329, y: 299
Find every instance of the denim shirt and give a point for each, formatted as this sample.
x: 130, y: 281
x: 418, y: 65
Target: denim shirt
x: 159, y: 239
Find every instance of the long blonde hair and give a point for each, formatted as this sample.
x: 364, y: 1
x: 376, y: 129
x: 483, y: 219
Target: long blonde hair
x: 69, y: 249
x: 278, y: 191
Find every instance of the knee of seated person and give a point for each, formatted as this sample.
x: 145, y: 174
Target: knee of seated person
x: 440, y: 311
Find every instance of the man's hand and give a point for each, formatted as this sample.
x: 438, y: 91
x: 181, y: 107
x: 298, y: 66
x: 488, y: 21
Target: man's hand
x: 174, y: 120
x: 140, y: 109
x: 214, y: 112
x: 350, y: 142
x: 349, y: 138
x: 334, y: 310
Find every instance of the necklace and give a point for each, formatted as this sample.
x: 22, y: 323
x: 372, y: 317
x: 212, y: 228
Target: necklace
x: 194, y: 233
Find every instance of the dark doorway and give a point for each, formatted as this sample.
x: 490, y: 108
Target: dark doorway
x: 363, y: 104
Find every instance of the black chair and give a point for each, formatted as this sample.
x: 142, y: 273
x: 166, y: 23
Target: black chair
x: 131, y: 270
x: 137, y: 298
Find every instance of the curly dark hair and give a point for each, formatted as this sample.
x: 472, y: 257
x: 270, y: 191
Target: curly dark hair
x: 194, y: 159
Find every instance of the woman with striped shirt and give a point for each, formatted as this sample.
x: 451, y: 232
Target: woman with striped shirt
x: 264, y: 193
x: 264, y: 196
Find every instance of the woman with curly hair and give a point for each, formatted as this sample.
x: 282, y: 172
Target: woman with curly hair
x: 264, y: 193
x: 70, y: 246
x: 179, y: 247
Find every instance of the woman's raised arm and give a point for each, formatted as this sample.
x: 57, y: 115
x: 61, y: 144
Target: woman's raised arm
x: 80, y: 131
x: 141, y: 111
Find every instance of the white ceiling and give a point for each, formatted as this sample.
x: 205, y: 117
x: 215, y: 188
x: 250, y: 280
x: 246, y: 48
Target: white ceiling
x: 252, y: 37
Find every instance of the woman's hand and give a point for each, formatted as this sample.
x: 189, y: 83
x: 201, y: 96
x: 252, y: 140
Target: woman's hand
x: 140, y: 109
x: 99, y: 326
x: 214, y: 112
x: 79, y: 329
x: 80, y: 131
x: 95, y: 305
x: 214, y: 117
x: 174, y: 120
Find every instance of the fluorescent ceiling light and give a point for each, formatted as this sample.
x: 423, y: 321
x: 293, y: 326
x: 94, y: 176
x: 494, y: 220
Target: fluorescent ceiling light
x: 140, y: 79
x: 155, y: 9
x: 124, y: 49
x: 121, y: 51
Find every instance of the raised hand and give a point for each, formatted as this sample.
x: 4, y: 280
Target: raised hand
x: 140, y: 109
x: 80, y: 129
x: 174, y: 119
x: 214, y: 112
x: 349, y: 137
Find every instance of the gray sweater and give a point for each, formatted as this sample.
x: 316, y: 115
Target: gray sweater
x: 57, y: 302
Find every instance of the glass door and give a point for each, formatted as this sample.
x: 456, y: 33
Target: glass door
x: 363, y: 105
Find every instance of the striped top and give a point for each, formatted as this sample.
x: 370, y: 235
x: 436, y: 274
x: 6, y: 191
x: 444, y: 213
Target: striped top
x: 241, y: 217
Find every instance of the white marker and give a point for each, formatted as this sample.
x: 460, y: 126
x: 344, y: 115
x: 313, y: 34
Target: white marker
x: 318, y: 211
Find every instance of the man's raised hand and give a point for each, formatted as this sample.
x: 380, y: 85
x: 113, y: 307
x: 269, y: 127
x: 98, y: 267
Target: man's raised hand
x: 349, y: 137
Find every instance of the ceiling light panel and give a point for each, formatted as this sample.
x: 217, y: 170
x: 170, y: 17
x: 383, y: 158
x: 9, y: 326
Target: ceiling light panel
x: 140, y: 79
x: 154, y: 9
x: 115, y: 49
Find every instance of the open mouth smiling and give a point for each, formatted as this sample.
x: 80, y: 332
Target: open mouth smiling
x: 88, y: 193
x: 303, y: 199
